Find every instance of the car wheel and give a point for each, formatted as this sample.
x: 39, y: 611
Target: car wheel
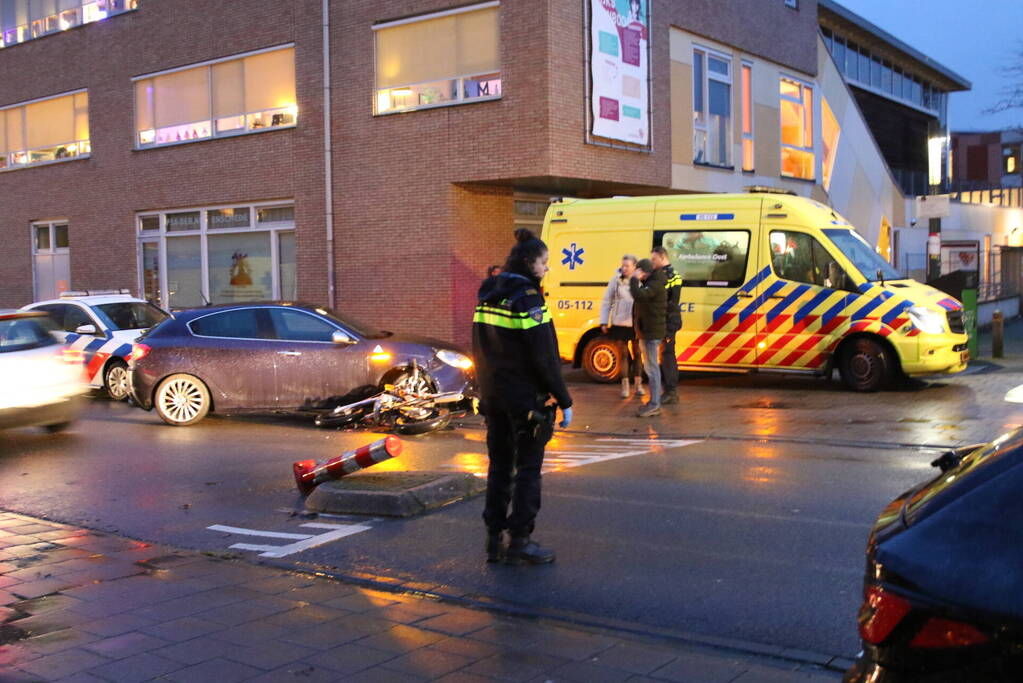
x: 115, y: 380
x: 865, y: 365
x: 182, y: 400
x: 602, y: 359
x: 58, y: 427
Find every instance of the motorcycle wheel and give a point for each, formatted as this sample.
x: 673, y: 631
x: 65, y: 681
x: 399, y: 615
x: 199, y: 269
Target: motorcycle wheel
x: 329, y: 420
x: 409, y: 427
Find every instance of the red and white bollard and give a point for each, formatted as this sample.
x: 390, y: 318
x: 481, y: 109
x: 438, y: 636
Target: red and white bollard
x: 309, y: 474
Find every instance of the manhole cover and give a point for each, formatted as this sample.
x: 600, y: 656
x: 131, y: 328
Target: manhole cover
x: 386, y: 481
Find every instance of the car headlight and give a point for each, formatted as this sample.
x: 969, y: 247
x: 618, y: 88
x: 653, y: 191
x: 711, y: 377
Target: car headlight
x: 927, y: 320
x: 455, y: 359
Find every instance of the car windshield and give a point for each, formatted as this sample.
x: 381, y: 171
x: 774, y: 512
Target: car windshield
x: 19, y: 334
x: 349, y: 323
x: 129, y: 315
x: 862, y: 255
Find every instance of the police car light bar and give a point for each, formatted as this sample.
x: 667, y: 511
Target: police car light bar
x: 93, y: 292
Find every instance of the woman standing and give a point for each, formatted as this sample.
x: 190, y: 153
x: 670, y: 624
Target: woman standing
x: 616, y: 323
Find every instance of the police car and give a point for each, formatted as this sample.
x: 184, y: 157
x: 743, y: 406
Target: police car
x: 101, y: 325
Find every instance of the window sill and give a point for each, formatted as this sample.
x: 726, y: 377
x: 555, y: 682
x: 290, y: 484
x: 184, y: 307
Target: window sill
x: 22, y: 167
x: 225, y: 136
x: 812, y: 181
x: 719, y: 167
x: 439, y: 105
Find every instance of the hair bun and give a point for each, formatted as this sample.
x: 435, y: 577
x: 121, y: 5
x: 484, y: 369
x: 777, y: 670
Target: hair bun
x: 524, y: 235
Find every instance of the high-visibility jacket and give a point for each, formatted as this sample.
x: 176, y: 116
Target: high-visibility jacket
x: 514, y: 346
x: 673, y: 288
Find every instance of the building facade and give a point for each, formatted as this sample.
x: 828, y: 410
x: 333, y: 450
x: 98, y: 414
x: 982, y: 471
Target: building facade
x: 376, y: 156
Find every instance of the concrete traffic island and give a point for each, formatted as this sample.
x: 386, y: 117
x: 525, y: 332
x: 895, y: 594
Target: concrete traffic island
x: 393, y: 494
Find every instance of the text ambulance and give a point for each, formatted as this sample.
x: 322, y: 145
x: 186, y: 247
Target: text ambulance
x: 770, y: 282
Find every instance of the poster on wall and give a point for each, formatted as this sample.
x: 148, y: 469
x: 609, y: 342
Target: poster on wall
x: 619, y: 69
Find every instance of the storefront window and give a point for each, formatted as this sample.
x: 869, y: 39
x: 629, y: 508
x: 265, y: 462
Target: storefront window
x: 217, y: 255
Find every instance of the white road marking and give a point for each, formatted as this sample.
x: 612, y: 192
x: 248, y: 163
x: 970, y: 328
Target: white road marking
x: 302, y: 541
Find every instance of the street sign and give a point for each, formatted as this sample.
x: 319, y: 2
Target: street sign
x: 932, y: 206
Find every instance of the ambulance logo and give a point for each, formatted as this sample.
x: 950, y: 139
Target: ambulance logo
x: 573, y: 256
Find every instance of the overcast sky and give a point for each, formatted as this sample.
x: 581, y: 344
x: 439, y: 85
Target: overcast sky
x: 973, y: 38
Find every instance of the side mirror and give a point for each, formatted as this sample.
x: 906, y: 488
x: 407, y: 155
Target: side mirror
x: 339, y: 337
x: 85, y: 329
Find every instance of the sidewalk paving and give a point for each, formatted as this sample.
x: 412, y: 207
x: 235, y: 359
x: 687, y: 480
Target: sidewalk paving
x: 83, y: 606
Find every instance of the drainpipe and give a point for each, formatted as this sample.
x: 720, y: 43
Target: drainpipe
x: 328, y: 159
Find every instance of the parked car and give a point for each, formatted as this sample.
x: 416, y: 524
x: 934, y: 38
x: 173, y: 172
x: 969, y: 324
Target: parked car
x: 262, y: 357
x: 42, y: 380
x: 943, y: 595
x: 102, y: 325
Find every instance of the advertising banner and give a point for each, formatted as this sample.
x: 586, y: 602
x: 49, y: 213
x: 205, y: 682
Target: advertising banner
x: 619, y: 72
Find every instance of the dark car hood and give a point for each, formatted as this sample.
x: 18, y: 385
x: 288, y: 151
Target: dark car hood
x: 424, y: 341
x: 967, y: 552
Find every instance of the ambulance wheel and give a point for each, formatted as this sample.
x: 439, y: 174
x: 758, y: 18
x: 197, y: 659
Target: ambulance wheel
x: 182, y: 400
x: 603, y: 359
x: 115, y: 380
x: 865, y: 365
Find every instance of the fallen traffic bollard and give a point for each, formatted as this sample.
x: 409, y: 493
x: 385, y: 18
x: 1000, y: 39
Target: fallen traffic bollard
x: 309, y: 474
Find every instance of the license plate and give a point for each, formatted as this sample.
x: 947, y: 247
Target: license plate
x: 964, y: 356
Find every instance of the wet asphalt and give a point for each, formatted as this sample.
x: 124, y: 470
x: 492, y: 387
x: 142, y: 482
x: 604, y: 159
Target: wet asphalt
x: 752, y: 527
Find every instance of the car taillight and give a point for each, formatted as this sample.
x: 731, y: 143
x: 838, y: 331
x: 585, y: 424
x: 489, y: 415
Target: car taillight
x: 880, y: 614
x: 938, y: 632
x: 72, y: 356
x: 139, y: 351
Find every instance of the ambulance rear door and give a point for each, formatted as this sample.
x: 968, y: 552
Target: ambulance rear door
x: 713, y: 247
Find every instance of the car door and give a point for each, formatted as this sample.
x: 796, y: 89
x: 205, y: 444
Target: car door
x: 312, y: 369
x: 802, y: 301
x: 232, y: 352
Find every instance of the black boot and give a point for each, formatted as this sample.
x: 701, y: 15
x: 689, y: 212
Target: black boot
x: 521, y: 550
x: 495, y: 546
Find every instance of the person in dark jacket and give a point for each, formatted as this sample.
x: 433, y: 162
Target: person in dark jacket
x: 518, y: 371
x: 649, y: 296
x: 672, y: 322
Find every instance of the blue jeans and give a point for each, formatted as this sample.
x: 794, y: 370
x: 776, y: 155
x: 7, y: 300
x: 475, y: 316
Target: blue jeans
x: 652, y: 367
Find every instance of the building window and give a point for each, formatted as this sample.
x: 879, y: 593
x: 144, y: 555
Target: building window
x: 246, y: 94
x: 1011, y: 159
x: 797, y: 157
x: 216, y: 255
x: 794, y: 4
x: 22, y: 20
x: 747, y: 116
x: 45, y: 131
x: 438, y: 59
x: 712, y: 108
x: 51, y: 259
x: 830, y: 132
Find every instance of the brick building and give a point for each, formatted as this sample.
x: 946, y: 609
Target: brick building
x: 178, y: 147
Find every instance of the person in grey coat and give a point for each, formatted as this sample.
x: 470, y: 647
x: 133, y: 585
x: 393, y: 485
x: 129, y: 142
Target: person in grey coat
x: 616, y: 323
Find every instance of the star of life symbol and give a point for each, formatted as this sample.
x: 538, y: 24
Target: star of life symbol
x: 573, y: 256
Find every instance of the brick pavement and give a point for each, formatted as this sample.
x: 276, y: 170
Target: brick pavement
x: 83, y: 606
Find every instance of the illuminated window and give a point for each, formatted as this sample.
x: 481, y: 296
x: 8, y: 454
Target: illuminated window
x: 1010, y: 159
x: 438, y: 59
x: 45, y: 131
x: 22, y: 20
x: 229, y: 97
x: 797, y: 157
x: 830, y: 132
x: 712, y: 108
x: 747, y: 117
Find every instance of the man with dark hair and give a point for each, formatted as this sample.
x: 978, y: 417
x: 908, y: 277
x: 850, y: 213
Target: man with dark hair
x: 673, y: 323
x: 648, y: 295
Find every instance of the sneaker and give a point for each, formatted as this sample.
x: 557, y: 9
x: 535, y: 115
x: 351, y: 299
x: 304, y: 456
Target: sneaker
x: 521, y: 550
x: 649, y: 410
x: 639, y: 387
x: 625, y: 388
x: 669, y: 397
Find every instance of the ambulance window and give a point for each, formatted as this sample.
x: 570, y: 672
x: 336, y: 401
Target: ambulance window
x: 799, y: 257
x: 707, y: 258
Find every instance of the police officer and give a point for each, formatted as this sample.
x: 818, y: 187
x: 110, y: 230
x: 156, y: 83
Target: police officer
x: 673, y: 323
x: 521, y: 387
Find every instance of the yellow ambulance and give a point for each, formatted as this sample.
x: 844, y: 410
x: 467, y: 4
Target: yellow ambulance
x: 770, y: 282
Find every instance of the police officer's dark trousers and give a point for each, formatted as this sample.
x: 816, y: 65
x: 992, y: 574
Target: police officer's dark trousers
x: 516, y: 446
x: 669, y: 364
